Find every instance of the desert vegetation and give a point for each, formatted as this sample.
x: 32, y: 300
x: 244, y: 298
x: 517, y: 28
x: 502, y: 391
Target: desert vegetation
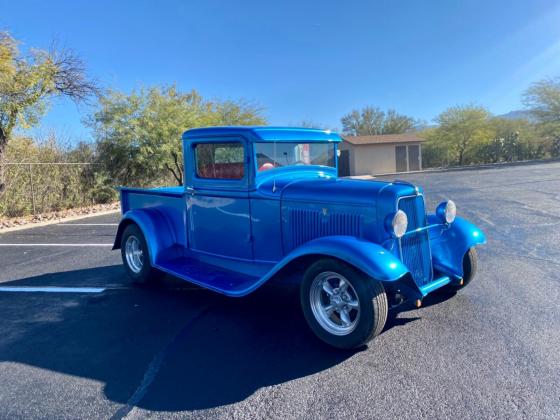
x: 137, y: 135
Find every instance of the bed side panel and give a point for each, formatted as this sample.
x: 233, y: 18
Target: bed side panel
x: 171, y: 206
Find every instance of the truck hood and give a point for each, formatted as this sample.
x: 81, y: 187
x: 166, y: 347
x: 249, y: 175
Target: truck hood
x: 343, y: 190
x: 337, y: 206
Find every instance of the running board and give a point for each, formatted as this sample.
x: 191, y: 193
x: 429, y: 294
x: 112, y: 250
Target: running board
x: 209, y: 276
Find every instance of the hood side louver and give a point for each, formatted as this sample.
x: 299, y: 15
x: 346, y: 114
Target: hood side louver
x: 308, y: 224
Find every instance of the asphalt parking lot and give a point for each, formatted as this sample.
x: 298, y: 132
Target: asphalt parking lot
x: 111, y: 350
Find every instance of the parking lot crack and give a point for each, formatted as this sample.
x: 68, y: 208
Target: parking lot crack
x: 155, y: 365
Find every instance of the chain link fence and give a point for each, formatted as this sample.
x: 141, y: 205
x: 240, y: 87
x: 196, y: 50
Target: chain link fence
x: 34, y: 188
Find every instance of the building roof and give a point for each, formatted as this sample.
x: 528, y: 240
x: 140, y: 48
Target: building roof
x: 384, y: 139
x: 266, y: 133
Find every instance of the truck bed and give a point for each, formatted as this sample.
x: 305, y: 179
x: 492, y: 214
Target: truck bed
x: 168, y: 202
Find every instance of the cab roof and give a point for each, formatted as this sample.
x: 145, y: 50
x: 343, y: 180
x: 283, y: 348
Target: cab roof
x: 266, y: 133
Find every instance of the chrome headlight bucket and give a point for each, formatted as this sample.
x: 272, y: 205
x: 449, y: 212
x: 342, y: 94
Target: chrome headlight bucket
x: 447, y: 211
x: 399, y: 224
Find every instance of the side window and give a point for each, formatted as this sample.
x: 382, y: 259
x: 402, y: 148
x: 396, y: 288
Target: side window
x: 220, y: 160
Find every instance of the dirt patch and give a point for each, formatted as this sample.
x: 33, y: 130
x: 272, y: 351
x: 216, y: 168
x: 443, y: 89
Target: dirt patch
x: 6, y: 223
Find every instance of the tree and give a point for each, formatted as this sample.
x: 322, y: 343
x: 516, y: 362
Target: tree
x: 543, y: 101
x: 28, y: 82
x: 139, y: 135
x: 7, y: 52
x: 305, y: 123
x: 396, y: 123
x: 434, y: 151
x: 372, y: 121
x: 461, y: 128
x: 366, y: 122
x: 512, y: 140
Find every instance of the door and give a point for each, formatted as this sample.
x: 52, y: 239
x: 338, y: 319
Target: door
x: 218, y: 202
x: 414, y: 158
x: 400, y: 155
x: 344, y: 163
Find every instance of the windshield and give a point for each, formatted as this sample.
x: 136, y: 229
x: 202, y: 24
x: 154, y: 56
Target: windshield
x: 272, y: 155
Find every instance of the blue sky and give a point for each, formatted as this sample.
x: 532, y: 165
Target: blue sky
x: 303, y: 60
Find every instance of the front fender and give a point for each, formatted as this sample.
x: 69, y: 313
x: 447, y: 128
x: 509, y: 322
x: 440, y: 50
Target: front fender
x: 369, y: 257
x: 154, y: 225
x: 449, y: 243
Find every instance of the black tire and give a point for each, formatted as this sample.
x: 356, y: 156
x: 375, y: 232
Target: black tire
x: 147, y: 273
x: 470, y: 265
x: 370, y: 293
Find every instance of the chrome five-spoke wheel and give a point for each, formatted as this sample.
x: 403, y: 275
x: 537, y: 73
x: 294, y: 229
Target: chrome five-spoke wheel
x: 334, y: 303
x: 343, y: 306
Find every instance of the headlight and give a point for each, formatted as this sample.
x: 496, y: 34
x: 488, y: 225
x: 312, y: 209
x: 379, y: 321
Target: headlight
x: 447, y: 211
x: 399, y: 223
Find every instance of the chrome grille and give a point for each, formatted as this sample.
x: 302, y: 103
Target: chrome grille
x: 415, y: 247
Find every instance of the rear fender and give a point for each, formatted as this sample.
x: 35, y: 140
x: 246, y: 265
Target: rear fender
x: 156, y: 228
x: 449, y: 243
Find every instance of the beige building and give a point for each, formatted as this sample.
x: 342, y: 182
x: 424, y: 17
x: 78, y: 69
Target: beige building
x: 388, y: 153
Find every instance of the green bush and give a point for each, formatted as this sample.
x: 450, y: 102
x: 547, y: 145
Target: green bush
x: 45, y: 176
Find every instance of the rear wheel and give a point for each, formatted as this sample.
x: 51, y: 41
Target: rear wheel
x: 344, y: 307
x: 136, y: 257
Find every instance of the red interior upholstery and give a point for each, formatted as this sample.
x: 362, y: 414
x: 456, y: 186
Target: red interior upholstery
x: 221, y: 171
x: 266, y: 166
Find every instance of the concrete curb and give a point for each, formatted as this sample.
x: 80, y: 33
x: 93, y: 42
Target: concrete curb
x: 55, y: 221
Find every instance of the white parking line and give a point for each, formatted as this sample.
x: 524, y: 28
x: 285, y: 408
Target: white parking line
x: 87, y: 224
x: 52, y: 289
x: 68, y: 245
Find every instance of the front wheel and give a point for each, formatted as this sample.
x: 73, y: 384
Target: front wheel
x: 470, y: 265
x: 343, y: 307
x: 136, y: 257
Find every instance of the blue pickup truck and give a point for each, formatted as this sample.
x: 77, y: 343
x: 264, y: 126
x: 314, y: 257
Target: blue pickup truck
x: 265, y: 203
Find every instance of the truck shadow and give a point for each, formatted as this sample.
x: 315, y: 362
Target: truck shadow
x: 189, y: 348
x: 170, y: 347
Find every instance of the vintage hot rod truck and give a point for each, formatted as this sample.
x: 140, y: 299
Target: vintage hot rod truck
x: 262, y: 203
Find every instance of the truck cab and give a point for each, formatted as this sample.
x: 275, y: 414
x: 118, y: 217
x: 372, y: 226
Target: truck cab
x: 262, y: 203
